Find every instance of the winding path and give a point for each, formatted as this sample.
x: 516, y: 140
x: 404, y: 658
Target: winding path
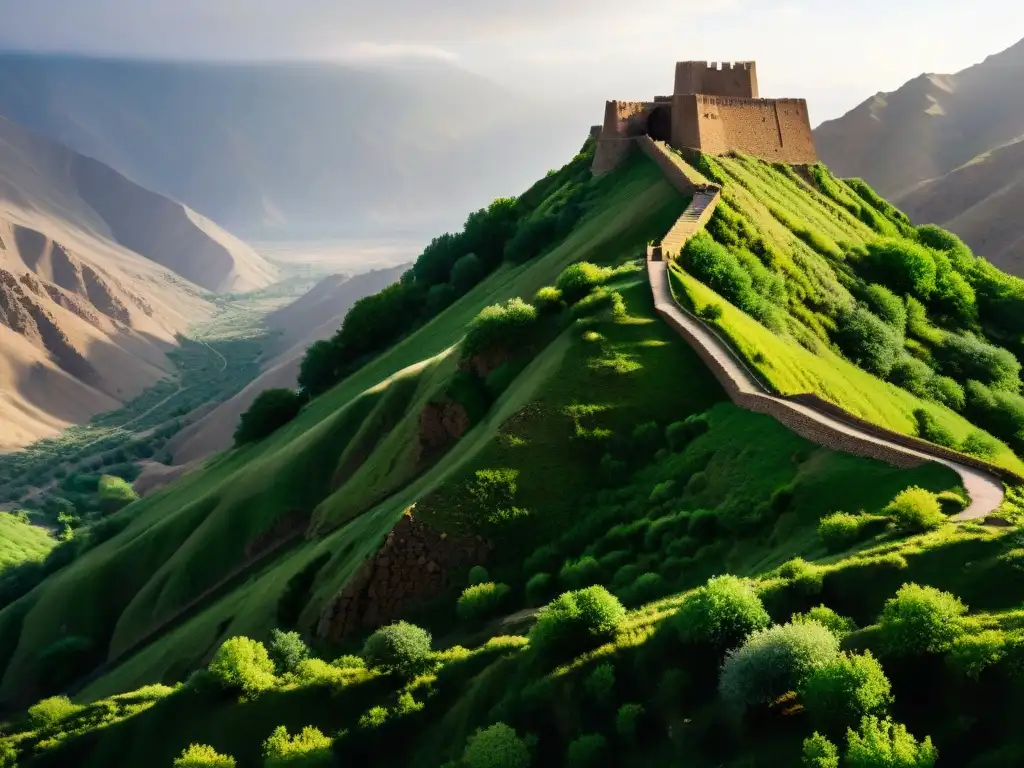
x: 827, y: 425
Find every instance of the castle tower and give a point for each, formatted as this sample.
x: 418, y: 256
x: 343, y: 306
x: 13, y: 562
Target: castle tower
x: 736, y: 79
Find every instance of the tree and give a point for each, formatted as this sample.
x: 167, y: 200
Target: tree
x: 885, y: 744
x: 576, y: 620
x: 868, y: 341
x: 308, y: 749
x: 243, y: 664
x: 819, y: 752
x: 920, y: 620
x: 903, y: 266
x: 466, y: 272
x: 271, y: 410
x: 497, y: 746
x: 589, y: 750
x: 286, y: 650
x: 400, y: 647
x: 721, y: 614
x: 970, y: 358
x: 115, y: 493
x: 843, y: 691
x: 775, y: 661
x: 319, y: 369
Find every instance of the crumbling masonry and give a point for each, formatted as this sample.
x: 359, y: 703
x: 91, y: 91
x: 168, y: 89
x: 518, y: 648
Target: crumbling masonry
x: 713, y: 109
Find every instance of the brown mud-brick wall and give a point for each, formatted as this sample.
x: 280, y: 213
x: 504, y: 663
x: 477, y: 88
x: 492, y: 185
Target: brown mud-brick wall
x: 416, y: 564
x: 737, y: 79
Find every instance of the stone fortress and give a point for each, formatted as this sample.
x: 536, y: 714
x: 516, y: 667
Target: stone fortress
x: 715, y: 109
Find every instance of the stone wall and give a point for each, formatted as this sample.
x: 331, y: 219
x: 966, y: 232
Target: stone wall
x: 415, y: 564
x: 737, y: 79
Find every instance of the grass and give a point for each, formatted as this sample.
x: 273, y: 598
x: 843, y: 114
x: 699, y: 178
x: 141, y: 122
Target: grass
x: 22, y: 542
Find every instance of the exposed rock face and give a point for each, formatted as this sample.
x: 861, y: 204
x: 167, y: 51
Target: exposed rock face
x: 485, y: 363
x: 441, y: 424
x: 415, y: 564
x: 103, y: 297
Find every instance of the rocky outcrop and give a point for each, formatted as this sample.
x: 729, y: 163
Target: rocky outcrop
x: 416, y: 564
x: 102, y: 296
x: 442, y: 422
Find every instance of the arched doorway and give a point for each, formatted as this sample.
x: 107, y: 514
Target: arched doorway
x: 659, y: 124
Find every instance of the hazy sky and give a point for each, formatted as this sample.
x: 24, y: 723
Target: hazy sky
x: 833, y: 53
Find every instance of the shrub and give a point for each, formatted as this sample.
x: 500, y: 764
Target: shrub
x: 538, y: 588
x: 309, y: 748
x: 349, y: 662
x: 775, y: 661
x: 819, y: 752
x: 919, y: 620
x: 868, y: 341
x: 973, y: 653
x: 203, y: 756
x: 711, y: 312
x: 588, y: 750
x: 915, y: 510
x: 885, y: 744
x: 978, y: 444
x: 49, y: 712
x: 842, y: 692
x: 913, y: 375
x: 626, y: 721
x: 721, y: 270
x: 478, y: 575
x: 680, y: 434
x: 481, y: 601
x: 703, y: 522
x: 951, y: 502
x: 115, y: 493
x: 600, y: 683
x: 577, y: 619
x: 502, y: 325
x: 271, y: 410
x: 579, y: 279
x: 372, y: 718
x: 947, y: 391
x: 286, y: 650
x: 887, y: 306
x: 647, y: 587
x: 319, y: 672
x: 931, y: 430
x: 581, y: 573
x: 244, y: 665
x: 721, y: 614
x: 841, y: 530
x: 903, y: 266
x: 840, y: 626
x: 969, y: 358
x: 548, y: 299
x: 599, y: 301
x: 400, y: 647
x: 496, y: 746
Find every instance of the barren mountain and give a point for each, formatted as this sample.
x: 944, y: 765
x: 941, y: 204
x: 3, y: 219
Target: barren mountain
x: 94, y: 284
x: 296, y: 150
x: 945, y: 147
x: 314, y: 316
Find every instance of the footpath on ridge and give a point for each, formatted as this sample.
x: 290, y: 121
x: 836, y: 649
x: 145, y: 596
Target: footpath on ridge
x: 807, y: 415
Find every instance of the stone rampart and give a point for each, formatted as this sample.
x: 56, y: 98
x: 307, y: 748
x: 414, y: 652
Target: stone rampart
x: 777, y: 130
x: 725, y: 79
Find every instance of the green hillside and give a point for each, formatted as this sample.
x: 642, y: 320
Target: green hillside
x: 591, y: 450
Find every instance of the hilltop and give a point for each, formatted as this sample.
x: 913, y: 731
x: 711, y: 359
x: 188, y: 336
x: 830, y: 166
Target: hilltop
x: 527, y: 410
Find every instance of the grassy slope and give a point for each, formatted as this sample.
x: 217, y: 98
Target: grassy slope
x: 21, y: 542
x: 787, y: 366
x: 192, y: 533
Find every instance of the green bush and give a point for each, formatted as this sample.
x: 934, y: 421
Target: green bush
x: 586, y: 751
x: 400, y: 647
x: 840, y: 693
x: 581, y: 573
x: 978, y: 444
x: 548, y: 299
x: 466, y: 272
x: 929, y: 428
x: 318, y: 672
x: 579, y: 279
x: 914, y: 375
x: 840, y: 626
x: 973, y: 653
x: 115, y: 493
x: 49, y: 712
x: 915, y: 510
x: 271, y: 410
x: 576, y: 620
x: 819, y: 752
x: 868, y: 341
x: 680, y: 434
x: 496, y: 746
x: 775, y: 661
x: 947, y: 391
x: 478, y: 575
x: 704, y: 522
x: 711, y: 312
x: 507, y: 326
x: 309, y: 749
x: 967, y: 358
x: 600, y: 683
x: 373, y: 718
x: 887, y: 306
x: 286, y: 650
x: 999, y: 412
x: 951, y: 502
x: 841, y: 530
x: 721, y: 614
x: 627, y: 719
x: 904, y: 267
x: 538, y: 588
x: 203, y: 756
x: 647, y: 587
x: 349, y: 662
x: 920, y: 620
x: 885, y: 744
x: 243, y: 664
x: 481, y: 601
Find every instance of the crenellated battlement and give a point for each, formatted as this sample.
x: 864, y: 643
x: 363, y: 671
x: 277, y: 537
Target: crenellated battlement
x: 727, y: 78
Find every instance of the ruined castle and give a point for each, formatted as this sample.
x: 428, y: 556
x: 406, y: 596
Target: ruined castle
x: 713, y: 109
